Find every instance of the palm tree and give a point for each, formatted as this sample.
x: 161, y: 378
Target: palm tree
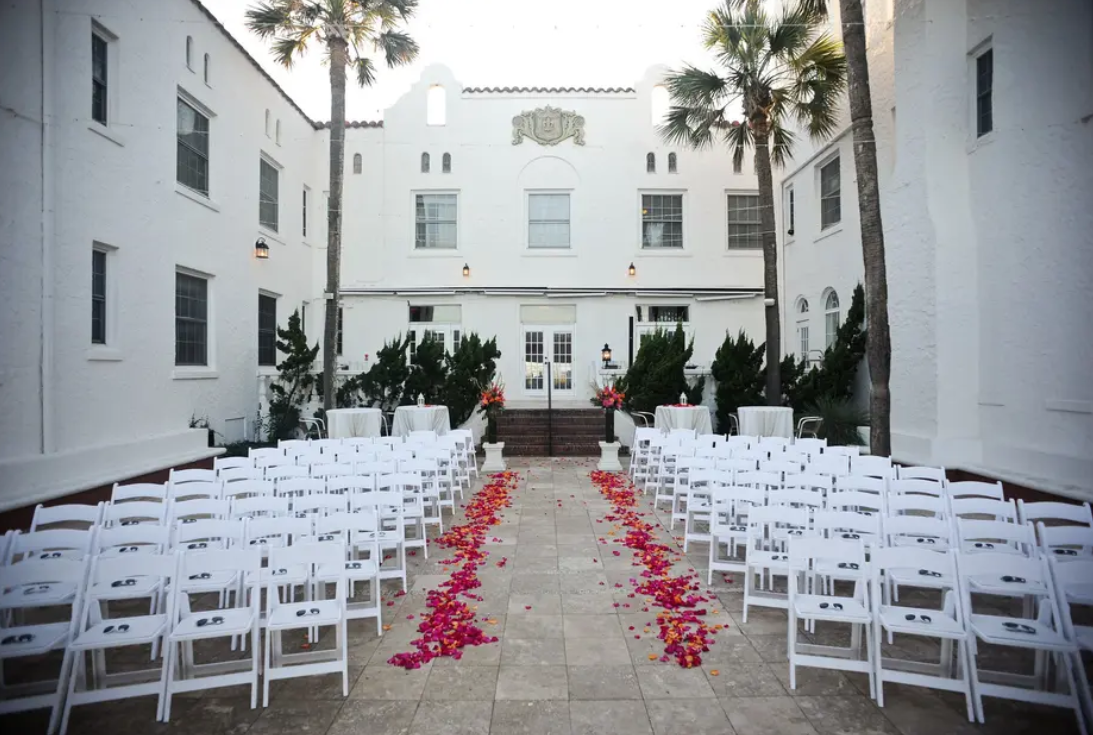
x: 346, y: 29
x: 778, y: 69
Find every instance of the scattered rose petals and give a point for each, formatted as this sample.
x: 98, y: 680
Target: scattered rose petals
x: 714, y: 672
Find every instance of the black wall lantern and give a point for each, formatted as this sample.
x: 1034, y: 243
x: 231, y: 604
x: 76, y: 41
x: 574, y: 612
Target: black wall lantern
x: 606, y: 355
x: 261, y: 250
x: 466, y: 271
x: 632, y: 270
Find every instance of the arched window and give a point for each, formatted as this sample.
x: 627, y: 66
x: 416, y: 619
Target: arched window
x: 206, y: 69
x: 446, y: 163
x: 190, y: 53
x: 658, y: 99
x: 831, y: 316
x: 435, y: 112
x: 650, y: 163
x: 424, y: 163
x: 266, y: 128
x: 358, y: 163
x: 278, y: 134
x: 802, y: 327
x: 672, y: 163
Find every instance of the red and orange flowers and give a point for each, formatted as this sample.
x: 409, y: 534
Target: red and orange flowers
x: 609, y: 397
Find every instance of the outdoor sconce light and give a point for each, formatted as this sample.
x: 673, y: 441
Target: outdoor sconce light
x: 632, y: 270
x: 261, y: 250
x: 606, y: 355
x: 466, y: 271
x: 768, y: 302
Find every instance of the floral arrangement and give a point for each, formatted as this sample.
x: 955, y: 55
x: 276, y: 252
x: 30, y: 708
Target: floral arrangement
x: 608, y: 397
x: 492, y: 399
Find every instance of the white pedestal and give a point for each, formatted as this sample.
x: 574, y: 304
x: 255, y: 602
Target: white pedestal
x: 609, y: 457
x: 494, y: 461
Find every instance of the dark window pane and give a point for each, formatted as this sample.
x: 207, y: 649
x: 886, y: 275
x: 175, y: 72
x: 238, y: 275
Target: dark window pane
x: 193, y: 148
x: 98, y: 297
x: 191, y: 320
x: 268, y: 194
x: 984, y: 89
x: 98, y: 78
x: 267, y: 330
x: 304, y: 215
x: 830, y: 195
x: 662, y: 220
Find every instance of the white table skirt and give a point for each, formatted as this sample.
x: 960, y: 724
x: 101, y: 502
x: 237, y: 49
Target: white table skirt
x: 421, y: 418
x: 766, y: 421
x: 678, y: 417
x: 343, y: 423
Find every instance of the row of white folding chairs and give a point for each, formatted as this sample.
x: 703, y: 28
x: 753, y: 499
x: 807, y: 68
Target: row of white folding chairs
x: 813, y: 565
x: 87, y: 633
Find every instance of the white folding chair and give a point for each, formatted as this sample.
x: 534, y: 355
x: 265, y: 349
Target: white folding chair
x: 334, y: 469
x: 700, y: 485
x: 810, y: 445
x: 257, y: 453
x: 766, y: 557
x: 731, y: 464
x: 755, y: 453
x: 1065, y: 543
x: 835, y: 465
x: 286, y: 472
x: 148, y: 491
x: 248, y: 489
x: 822, y: 484
x: 785, y: 467
x: 143, y: 538
x: 945, y: 624
x: 260, y: 506
x: 135, y: 512
x: 95, y: 635
x: 238, y: 621
x: 391, y: 536
x: 321, y: 444
x: 187, y: 511
x: 204, y: 534
x: 1074, y: 585
x: 350, y: 484
x: 796, y: 498
x: 849, y: 526
x: 279, y: 459
x: 311, y: 614
x: 999, y: 537
x: 299, y: 487
x: 294, y: 446
x: 926, y: 532
x: 357, y: 441
x: 861, y: 503
x: 916, y: 472
x: 181, y: 477
x: 983, y: 509
x: 24, y: 587
x: 861, y: 483
x: 730, y: 506
x: 358, y: 530
x: 1057, y: 513
x: 319, y: 504
x: 812, y: 599
x: 765, y: 481
x: 974, y: 489
x: 53, y: 543
x: 915, y: 504
x: 843, y: 451
x: 239, y: 474
x: 1045, y: 634
x: 72, y: 514
x: 213, y: 490
x: 680, y: 483
x: 223, y: 464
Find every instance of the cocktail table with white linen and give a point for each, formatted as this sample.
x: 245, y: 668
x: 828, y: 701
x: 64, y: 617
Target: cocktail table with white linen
x: 421, y: 418
x: 684, y: 417
x: 343, y: 423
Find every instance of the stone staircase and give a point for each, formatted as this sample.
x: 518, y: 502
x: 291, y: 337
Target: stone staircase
x: 525, y: 432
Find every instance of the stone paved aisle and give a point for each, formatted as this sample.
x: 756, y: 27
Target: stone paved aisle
x: 566, y: 661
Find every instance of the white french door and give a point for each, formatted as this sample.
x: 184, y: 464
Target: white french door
x: 548, y: 344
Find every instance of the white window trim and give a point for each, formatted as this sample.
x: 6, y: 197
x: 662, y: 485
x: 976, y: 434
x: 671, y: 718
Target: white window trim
x: 790, y: 233
x: 277, y: 312
x: 306, y: 235
x: 190, y: 53
x: 528, y: 193
x: 725, y: 223
x: 192, y: 194
x: 266, y: 232
x: 436, y: 252
x: 973, y: 140
x: 110, y: 351
x: 110, y: 130
x: 826, y: 312
x: 209, y: 370
x: 817, y: 168
x: 664, y: 252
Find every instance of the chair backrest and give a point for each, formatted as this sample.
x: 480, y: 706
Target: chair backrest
x: 999, y: 569
x: 929, y: 532
x: 845, y: 451
x: 1073, y: 579
x: 332, y: 470
x: 848, y: 525
x: 983, y: 536
x: 239, y: 474
x: 861, y: 484
x: 934, y: 567
x: 915, y: 504
x: 313, y: 458
x: 773, y: 441
x: 260, y: 506
x: 52, y: 544
x: 293, y: 446
x: 915, y: 486
x: 835, y: 465
x: 131, y: 539
x: 222, y: 464
x: 346, y: 454
x: 793, y: 453
x: 358, y: 441
x: 806, y: 553
x: 281, y: 474
x: 277, y: 531
x: 784, y: 467
x: 379, y: 467
x: 186, y: 510
x: 278, y: 459
x: 859, y: 502
x: 737, y: 465
x: 770, y: 522
x: 208, y: 533
x: 248, y: 488
x: 1066, y: 543
x: 915, y: 472
x: 196, y: 489
x: 812, y: 446
x: 134, y: 513
x: 320, y: 504
x: 402, y: 482
x: 974, y: 489
x: 796, y: 498
x: 328, y: 554
x: 69, y: 514
x: 1055, y: 512
x: 810, y: 481
x: 871, y: 466
x: 116, y: 569
x: 390, y: 441
x: 260, y: 452
x: 246, y: 561
x: 320, y: 444
x: 350, y: 484
x: 755, y: 453
x: 46, y: 572
x: 763, y: 480
x: 998, y: 510
x: 427, y: 434
x: 139, y: 491
x: 180, y: 477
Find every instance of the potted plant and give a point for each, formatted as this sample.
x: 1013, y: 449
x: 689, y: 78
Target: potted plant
x: 491, y: 404
x: 203, y: 423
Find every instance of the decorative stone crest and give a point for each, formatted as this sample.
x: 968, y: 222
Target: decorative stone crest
x: 548, y: 126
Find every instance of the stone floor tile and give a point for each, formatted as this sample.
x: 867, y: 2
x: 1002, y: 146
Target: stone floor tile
x: 375, y: 717
x: 766, y: 716
x: 593, y: 603
x: 535, y: 564
x: 602, y: 682
x: 609, y: 717
x: 815, y: 682
x: 691, y: 716
x: 383, y: 681
x: 521, y: 717
x: 608, y: 649
x: 461, y: 682
x: 532, y: 682
x: 592, y: 626
x: 671, y: 681
x: 743, y: 680
x: 772, y: 648
x: 580, y: 563
x: 920, y: 711
x: 534, y: 626
x: 533, y: 584
x: 533, y: 651
x: 853, y: 715
x: 452, y: 718
x: 296, y: 718
x: 548, y: 603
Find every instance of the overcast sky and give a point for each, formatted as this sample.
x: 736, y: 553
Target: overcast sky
x: 604, y: 43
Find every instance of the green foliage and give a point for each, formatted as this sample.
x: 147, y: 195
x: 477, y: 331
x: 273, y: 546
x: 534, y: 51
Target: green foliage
x: 427, y: 372
x: 470, y: 370
x: 295, y: 382
x: 841, y: 419
x: 737, y: 368
x: 835, y: 377
x: 656, y: 377
x: 383, y: 384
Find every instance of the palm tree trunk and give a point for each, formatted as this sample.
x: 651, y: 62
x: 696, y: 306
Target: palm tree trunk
x: 770, y: 265
x: 334, y: 215
x: 878, y: 348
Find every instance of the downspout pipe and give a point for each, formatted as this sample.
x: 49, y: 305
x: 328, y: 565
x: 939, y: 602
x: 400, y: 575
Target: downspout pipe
x: 47, y: 440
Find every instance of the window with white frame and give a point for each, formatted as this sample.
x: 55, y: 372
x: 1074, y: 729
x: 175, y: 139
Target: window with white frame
x: 673, y: 166
x: 831, y: 317
x: 791, y: 212
x: 802, y: 328
x: 650, y: 318
x: 207, y: 70
x: 268, y: 194
x: 424, y: 163
x: 100, y: 67
x: 830, y: 194
x: 266, y: 125
x: 435, y: 221
x: 305, y: 201
x: 190, y: 53
x: 439, y: 322
x: 267, y: 329
x: 661, y: 221
x: 191, y: 319
x: 193, y: 148
x: 446, y: 163
x: 744, y: 225
x: 98, y: 296
x: 548, y: 220
x: 358, y: 163
x: 984, y: 93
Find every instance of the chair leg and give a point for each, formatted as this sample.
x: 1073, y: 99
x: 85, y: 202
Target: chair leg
x: 962, y: 664
x: 266, y: 660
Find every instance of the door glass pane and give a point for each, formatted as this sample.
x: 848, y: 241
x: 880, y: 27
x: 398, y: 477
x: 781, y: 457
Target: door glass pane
x: 533, y: 360
x: 563, y: 361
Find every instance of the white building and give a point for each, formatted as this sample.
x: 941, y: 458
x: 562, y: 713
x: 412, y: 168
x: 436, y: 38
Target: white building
x: 982, y: 116
x: 144, y: 156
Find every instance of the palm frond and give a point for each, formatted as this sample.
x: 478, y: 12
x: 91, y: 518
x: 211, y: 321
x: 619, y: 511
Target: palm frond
x: 739, y: 139
x: 792, y: 32
x: 693, y: 127
x: 366, y: 72
x: 267, y: 19
x: 287, y: 48
x: 693, y: 87
x: 398, y: 48
x: 781, y: 144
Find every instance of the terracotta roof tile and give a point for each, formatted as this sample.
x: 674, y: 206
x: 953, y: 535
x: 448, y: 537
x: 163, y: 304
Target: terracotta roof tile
x: 548, y: 90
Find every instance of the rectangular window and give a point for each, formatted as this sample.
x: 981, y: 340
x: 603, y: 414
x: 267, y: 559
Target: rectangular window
x: 267, y: 330
x: 830, y: 195
x: 791, y: 212
x: 802, y: 335
x: 99, y: 50
x: 268, y: 176
x: 435, y: 221
x: 191, y: 320
x: 98, y: 297
x: 744, y: 221
x: 193, y: 148
x: 984, y: 86
x: 663, y: 314
x: 338, y: 334
x: 548, y: 220
x: 303, y: 212
x: 662, y: 220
